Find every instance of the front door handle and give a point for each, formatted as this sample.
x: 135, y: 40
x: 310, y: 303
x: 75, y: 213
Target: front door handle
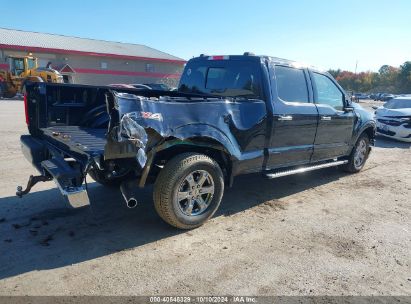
x: 325, y: 117
x: 285, y: 118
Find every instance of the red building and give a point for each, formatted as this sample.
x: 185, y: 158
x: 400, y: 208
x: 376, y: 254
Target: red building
x: 90, y: 61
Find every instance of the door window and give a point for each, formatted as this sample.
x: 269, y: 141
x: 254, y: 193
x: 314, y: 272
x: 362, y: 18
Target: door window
x: 327, y: 92
x: 291, y: 84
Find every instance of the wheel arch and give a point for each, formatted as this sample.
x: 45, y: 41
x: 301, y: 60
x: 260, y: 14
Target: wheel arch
x: 368, y: 129
x: 202, y: 145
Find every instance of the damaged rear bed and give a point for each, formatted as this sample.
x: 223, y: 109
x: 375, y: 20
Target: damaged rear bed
x: 128, y: 135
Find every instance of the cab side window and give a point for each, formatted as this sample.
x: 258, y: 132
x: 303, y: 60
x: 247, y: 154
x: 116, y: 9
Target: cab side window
x: 327, y: 92
x: 291, y: 84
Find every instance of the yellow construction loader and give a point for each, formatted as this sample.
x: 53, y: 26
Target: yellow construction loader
x: 23, y: 69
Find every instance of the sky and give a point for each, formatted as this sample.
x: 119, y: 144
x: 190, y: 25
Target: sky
x: 327, y: 34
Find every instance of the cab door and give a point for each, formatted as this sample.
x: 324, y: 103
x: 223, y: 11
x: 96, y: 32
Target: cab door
x: 335, y: 125
x: 295, y: 117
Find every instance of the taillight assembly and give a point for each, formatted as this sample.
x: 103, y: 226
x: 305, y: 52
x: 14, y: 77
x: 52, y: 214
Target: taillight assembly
x: 218, y: 57
x: 26, y: 109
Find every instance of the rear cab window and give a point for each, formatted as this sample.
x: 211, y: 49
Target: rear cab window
x: 225, y: 78
x: 291, y: 84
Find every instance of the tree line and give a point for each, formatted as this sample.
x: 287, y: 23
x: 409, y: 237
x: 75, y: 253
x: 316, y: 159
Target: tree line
x: 396, y: 80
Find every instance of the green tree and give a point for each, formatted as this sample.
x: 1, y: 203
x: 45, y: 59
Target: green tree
x: 405, y: 77
x: 387, y: 79
x: 334, y: 73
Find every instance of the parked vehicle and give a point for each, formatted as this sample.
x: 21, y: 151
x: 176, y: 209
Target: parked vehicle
x: 376, y: 96
x: 121, y: 86
x: 23, y: 69
x: 158, y: 86
x: 151, y: 86
x: 386, y: 97
x: 140, y: 86
x: 231, y: 115
x: 394, y: 119
x: 360, y: 96
x: 373, y: 96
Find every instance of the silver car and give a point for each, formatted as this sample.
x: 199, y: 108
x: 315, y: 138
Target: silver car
x: 394, y: 119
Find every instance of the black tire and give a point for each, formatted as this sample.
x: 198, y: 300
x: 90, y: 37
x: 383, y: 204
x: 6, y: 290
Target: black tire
x: 181, y: 173
x: 354, y: 165
x: 99, y: 177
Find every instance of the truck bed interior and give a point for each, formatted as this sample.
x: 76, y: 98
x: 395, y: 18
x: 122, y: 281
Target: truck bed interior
x: 76, y: 138
x: 75, y: 118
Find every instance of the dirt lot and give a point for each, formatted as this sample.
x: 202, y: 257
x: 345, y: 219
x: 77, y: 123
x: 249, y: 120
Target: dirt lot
x: 322, y: 233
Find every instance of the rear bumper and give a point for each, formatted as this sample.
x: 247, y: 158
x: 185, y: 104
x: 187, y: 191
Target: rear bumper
x: 34, y: 150
x: 68, y: 176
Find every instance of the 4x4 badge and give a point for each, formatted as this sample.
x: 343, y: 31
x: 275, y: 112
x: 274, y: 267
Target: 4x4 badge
x: 149, y: 115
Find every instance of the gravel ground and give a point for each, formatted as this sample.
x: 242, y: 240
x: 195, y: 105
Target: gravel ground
x: 321, y: 233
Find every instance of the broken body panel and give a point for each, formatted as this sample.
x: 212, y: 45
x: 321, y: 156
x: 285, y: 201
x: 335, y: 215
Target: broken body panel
x: 96, y: 125
x: 236, y: 128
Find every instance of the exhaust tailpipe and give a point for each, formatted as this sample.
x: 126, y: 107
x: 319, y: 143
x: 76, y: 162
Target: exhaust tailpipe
x: 126, y: 189
x: 131, y: 203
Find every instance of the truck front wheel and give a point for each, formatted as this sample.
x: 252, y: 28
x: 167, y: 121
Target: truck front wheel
x: 358, y: 155
x: 188, y: 190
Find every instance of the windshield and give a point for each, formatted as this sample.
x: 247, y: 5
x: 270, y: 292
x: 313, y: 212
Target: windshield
x: 398, y: 104
x: 227, y: 78
x: 31, y: 63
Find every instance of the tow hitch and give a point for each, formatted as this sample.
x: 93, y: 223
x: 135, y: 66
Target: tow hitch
x: 32, y: 181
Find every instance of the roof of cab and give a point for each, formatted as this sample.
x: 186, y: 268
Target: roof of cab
x: 252, y: 57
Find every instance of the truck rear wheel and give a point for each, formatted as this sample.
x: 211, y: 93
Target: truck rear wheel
x: 188, y: 190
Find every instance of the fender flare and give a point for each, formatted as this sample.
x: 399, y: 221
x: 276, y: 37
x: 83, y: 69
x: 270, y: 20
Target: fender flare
x: 186, y: 133
x: 368, y: 124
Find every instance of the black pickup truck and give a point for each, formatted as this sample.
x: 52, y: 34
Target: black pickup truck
x: 231, y: 115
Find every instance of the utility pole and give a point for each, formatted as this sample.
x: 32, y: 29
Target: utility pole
x: 356, y: 65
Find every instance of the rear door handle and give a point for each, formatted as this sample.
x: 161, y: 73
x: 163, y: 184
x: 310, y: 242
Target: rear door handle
x: 325, y: 117
x: 285, y: 118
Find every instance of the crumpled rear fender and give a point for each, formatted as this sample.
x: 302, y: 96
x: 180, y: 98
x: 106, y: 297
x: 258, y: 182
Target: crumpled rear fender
x: 194, y: 132
x: 132, y: 118
x: 140, y: 127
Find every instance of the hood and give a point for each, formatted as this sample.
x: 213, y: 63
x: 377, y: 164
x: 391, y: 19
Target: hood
x: 393, y: 112
x: 364, y: 114
x: 42, y: 69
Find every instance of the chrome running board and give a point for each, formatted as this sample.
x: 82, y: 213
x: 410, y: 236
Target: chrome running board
x: 305, y: 169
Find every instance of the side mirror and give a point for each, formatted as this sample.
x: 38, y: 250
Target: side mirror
x: 348, y: 109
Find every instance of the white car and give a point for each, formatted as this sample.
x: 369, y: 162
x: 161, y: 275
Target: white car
x: 394, y: 119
